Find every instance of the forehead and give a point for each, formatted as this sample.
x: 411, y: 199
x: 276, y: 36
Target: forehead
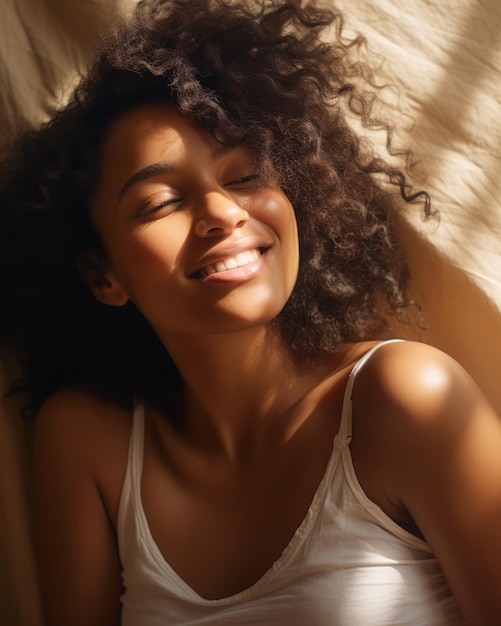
x: 150, y: 127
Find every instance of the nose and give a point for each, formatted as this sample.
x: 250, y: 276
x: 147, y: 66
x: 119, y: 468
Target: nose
x: 219, y: 214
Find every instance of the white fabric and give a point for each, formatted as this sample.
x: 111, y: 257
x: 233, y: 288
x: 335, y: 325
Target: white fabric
x: 347, y: 564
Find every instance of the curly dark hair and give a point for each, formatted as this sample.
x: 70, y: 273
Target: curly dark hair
x: 274, y: 75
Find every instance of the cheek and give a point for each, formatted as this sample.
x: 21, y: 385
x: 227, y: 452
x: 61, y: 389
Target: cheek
x: 278, y: 214
x: 153, y: 251
x: 277, y: 211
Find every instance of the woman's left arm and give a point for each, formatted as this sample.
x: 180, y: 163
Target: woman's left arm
x: 446, y: 460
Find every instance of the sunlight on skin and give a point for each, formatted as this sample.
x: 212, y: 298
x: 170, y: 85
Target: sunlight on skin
x: 435, y: 378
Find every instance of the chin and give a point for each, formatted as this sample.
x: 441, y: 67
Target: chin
x: 251, y: 314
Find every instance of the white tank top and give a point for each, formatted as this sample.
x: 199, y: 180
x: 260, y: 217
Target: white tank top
x: 348, y: 563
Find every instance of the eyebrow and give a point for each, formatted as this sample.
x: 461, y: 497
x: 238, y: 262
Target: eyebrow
x: 155, y: 169
x: 163, y: 167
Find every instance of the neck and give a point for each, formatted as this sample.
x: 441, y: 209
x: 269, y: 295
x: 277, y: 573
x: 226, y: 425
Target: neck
x: 237, y: 385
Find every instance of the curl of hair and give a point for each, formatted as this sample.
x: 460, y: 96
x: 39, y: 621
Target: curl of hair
x: 274, y: 75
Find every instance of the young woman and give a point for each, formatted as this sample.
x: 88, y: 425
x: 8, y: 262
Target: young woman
x: 199, y: 261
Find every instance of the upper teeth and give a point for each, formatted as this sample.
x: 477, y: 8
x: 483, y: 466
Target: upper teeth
x: 243, y: 258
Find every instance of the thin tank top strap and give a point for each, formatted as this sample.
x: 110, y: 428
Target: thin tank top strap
x: 136, y: 444
x: 131, y: 488
x: 343, y: 437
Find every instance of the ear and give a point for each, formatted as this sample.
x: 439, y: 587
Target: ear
x: 102, y: 282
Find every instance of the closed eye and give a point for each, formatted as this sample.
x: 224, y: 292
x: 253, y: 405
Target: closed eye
x: 151, y: 207
x: 243, y: 182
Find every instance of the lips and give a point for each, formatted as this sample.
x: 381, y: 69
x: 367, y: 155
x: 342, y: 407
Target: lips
x: 241, y: 259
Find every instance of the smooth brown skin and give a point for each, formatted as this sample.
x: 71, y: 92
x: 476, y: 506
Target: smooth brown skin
x: 231, y: 487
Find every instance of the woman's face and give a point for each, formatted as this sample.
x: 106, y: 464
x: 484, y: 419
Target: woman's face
x: 192, y: 236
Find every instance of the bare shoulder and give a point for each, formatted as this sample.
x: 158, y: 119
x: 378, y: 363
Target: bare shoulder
x: 425, y: 408
x: 418, y: 421
x: 75, y: 413
x: 79, y: 432
x: 417, y: 386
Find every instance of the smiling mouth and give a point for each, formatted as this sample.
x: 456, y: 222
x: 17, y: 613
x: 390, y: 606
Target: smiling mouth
x: 230, y: 263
